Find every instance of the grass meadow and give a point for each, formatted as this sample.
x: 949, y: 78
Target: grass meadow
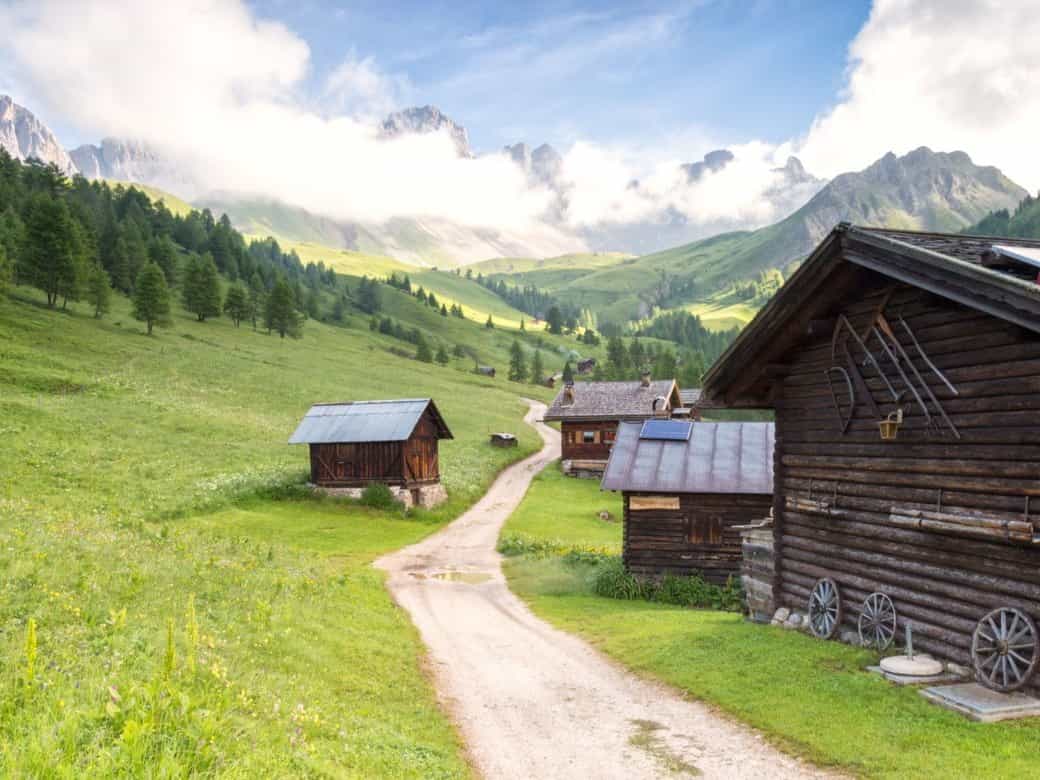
x: 171, y: 602
x: 812, y: 698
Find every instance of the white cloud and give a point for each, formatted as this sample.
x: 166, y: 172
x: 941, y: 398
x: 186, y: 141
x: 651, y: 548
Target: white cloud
x: 948, y: 74
x: 358, y: 87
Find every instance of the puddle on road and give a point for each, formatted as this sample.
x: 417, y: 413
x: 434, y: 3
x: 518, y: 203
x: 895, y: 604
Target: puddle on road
x: 465, y: 577
x: 646, y: 738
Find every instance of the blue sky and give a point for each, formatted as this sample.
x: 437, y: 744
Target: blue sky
x: 612, y: 73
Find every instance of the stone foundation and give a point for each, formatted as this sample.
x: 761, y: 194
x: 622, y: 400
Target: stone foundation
x: 584, y: 469
x: 425, y: 496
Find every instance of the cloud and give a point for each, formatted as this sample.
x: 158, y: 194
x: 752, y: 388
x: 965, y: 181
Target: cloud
x: 223, y: 92
x: 358, y: 87
x: 949, y: 74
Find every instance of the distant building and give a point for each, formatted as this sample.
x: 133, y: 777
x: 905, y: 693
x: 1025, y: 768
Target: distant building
x: 589, y: 413
x: 356, y: 443
x: 586, y: 366
x: 486, y: 371
x: 686, y: 486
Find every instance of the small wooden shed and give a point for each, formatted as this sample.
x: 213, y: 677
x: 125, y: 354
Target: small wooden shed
x: 355, y: 443
x: 904, y: 369
x: 686, y: 486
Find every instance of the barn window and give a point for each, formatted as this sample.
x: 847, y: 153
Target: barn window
x: 589, y: 437
x: 608, y: 436
x: 705, y: 529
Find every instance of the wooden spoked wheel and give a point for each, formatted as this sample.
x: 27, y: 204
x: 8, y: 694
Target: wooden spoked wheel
x: 824, y: 608
x: 877, y: 621
x: 1005, y: 649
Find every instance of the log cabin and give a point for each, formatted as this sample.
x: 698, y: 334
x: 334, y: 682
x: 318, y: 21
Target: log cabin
x: 686, y: 487
x: 355, y: 443
x: 589, y: 413
x: 904, y: 371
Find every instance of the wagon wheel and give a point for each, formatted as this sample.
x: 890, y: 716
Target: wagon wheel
x: 1004, y: 649
x: 824, y: 608
x: 877, y: 621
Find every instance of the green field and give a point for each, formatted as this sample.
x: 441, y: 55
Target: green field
x: 812, y: 698
x: 551, y: 273
x: 140, y: 471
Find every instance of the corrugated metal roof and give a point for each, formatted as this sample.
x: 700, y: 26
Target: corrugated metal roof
x: 365, y: 421
x: 611, y: 400
x: 719, y: 457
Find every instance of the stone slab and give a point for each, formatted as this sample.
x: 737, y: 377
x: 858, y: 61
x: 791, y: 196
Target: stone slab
x: 920, y: 665
x: 902, y: 679
x: 979, y: 703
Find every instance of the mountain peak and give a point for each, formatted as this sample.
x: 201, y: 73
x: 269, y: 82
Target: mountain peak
x: 426, y: 119
x: 25, y: 136
x: 713, y: 162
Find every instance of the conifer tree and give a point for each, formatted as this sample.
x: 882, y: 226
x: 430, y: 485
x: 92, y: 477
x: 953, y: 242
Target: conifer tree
x: 236, y: 303
x: 201, y: 288
x: 442, y: 356
x: 422, y: 350
x: 554, y: 320
x: 280, y: 312
x: 568, y: 373
x: 163, y: 252
x: 537, y: 368
x: 522, y: 328
x: 48, y: 261
x: 444, y: 310
x: 490, y: 324
x: 517, y: 363
x: 6, y: 269
x: 119, y: 266
x: 459, y: 351
x: 257, y: 295
x: 151, y: 297
x: 99, y: 292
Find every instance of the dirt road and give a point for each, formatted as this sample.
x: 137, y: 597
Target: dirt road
x: 534, y: 702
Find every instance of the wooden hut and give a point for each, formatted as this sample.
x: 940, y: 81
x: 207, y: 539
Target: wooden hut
x: 904, y: 370
x: 355, y: 443
x: 586, y: 366
x: 686, y: 486
x: 589, y: 413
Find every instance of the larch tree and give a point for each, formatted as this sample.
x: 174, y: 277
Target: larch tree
x: 568, y: 373
x: 201, y: 288
x: 537, y: 368
x: 280, y: 310
x: 236, y: 303
x: 554, y: 320
x: 99, y: 291
x: 517, y: 363
x: 48, y: 261
x: 422, y: 350
x: 442, y: 356
x: 257, y: 297
x: 151, y: 297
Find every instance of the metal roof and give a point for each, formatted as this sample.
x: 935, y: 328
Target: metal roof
x: 719, y: 457
x: 612, y: 400
x: 365, y: 421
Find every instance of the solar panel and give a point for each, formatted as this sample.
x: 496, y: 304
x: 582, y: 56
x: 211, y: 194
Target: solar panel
x: 1029, y: 255
x: 666, y: 430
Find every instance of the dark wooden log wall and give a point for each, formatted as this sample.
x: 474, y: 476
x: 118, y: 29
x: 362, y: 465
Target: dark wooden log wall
x: 347, y: 465
x: 422, y: 461
x: 658, y: 541
x: 573, y: 446
x: 835, y: 493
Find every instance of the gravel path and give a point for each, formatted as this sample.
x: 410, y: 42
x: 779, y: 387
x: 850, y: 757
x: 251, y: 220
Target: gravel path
x: 535, y: 702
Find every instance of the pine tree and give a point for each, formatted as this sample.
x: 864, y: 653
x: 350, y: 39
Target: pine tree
x: 522, y: 328
x: 422, y: 351
x: 257, y: 296
x: 517, y: 363
x: 99, y: 292
x: 459, y: 351
x: 490, y: 324
x: 554, y: 320
x: 236, y: 303
x: 617, y: 359
x: 48, y: 261
x: 6, y: 269
x: 151, y: 297
x: 313, y: 304
x: 537, y: 368
x: 163, y: 252
x: 568, y: 373
x: 442, y: 356
x: 119, y: 266
x: 201, y: 288
x: 444, y: 310
x: 280, y: 312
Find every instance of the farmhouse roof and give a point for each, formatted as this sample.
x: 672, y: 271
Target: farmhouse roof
x: 612, y: 400
x: 718, y: 457
x: 352, y: 422
x: 982, y: 273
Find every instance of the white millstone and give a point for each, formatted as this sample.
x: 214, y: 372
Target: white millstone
x: 918, y: 666
x: 781, y: 614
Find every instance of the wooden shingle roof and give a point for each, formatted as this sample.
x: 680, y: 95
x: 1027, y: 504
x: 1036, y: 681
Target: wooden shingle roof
x: 612, y: 400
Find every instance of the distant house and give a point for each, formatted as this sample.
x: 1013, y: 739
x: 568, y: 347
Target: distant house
x: 586, y: 366
x: 589, y: 413
x: 486, y: 371
x: 686, y: 485
x: 356, y: 443
x: 693, y: 404
x: 552, y: 379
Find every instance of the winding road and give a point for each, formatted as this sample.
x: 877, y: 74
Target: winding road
x: 534, y: 702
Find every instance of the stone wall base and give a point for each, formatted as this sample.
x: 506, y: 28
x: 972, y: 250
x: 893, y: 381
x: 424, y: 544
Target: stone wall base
x: 584, y: 469
x: 425, y: 496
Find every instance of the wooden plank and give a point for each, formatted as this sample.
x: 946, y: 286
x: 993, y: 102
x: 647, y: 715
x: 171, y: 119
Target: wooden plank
x: 646, y: 503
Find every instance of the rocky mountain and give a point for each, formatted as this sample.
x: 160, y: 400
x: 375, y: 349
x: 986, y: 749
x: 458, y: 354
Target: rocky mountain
x: 922, y: 190
x: 542, y: 165
x: 134, y: 161
x: 426, y: 119
x: 25, y: 136
x: 712, y: 162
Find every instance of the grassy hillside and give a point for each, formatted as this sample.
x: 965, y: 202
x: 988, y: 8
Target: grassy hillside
x: 140, y: 472
x: 548, y: 274
x: 173, y: 203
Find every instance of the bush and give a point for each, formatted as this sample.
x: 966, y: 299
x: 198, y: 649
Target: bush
x: 612, y: 581
x: 378, y: 496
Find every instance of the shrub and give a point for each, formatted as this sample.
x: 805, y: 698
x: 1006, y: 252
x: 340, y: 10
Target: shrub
x: 612, y: 581
x: 378, y: 496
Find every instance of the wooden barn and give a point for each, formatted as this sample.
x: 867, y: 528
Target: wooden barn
x: 589, y: 413
x: 686, y: 486
x: 355, y: 443
x: 904, y: 370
